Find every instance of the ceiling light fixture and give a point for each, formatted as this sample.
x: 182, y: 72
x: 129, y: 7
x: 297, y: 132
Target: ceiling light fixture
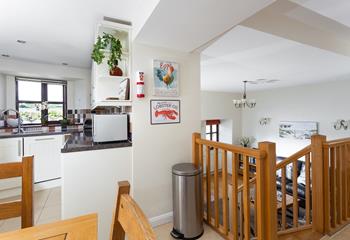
x: 242, y: 103
x: 5, y: 55
x: 22, y: 41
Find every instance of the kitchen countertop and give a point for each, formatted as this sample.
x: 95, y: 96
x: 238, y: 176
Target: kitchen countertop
x: 82, y: 141
x: 11, y: 134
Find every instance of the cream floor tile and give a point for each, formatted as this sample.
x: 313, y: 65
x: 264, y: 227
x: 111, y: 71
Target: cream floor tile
x: 40, y: 198
x: 11, y: 224
x: 163, y: 232
x: 54, y: 197
x: 48, y: 220
x: 51, y: 212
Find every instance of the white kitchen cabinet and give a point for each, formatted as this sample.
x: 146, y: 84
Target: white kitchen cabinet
x: 10, y: 151
x: 47, y: 156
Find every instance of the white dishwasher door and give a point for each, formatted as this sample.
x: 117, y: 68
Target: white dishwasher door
x: 47, y: 156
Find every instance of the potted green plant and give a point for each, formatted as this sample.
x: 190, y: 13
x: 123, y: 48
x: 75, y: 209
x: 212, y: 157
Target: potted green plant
x: 64, y: 123
x: 108, y: 43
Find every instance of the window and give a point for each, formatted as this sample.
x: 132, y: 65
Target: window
x: 212, y: 130
x: 41, y: 101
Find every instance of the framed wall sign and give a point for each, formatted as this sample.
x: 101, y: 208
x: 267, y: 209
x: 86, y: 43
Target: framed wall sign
x: 297, y: 130
x: 166, y: 78
x: 165, y: 111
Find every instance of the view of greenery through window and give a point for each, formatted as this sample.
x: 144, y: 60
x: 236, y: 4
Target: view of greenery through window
x: 40, y: 102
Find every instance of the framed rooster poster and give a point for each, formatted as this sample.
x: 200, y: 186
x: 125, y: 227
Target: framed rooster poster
x: 165, y: 111
x: 166, y: 78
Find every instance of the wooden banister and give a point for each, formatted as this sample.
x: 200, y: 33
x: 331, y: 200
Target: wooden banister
x: 266, y: 193
x: 292, y: 158
x: 232, y: 148
x: 318, y: 193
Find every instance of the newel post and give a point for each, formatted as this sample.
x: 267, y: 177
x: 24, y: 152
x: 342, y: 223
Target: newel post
x: 195, y: 148
x: 318, y: 202
x: 266, y: 192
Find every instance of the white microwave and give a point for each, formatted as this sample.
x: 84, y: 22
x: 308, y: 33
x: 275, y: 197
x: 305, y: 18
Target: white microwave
x: 109, y: 127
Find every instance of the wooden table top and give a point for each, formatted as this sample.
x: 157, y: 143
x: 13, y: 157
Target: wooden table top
x: 80, y: 228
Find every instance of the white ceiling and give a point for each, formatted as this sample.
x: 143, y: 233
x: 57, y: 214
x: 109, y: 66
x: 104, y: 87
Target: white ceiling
x: 284, y: 41
x: 337, y: 10
x: 248, y: 54
x: 186, y: 25
x: 60, y: 31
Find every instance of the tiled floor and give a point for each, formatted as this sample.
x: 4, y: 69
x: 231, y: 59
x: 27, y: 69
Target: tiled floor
x: 47, y: 208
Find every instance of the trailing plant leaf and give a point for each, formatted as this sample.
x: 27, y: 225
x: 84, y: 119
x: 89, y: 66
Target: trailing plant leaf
x: 115, y: 48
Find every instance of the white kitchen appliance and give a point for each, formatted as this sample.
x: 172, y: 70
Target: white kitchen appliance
x: 109, y: 127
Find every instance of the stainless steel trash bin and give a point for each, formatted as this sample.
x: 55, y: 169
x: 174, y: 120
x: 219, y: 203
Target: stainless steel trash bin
x: 187, y: 201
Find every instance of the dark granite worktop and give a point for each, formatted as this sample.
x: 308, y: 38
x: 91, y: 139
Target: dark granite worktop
x: 77, y: 140
x: 82, y: 141
x: 14, y: 134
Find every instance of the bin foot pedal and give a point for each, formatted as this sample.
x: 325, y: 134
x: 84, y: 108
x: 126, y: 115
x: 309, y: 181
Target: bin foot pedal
x: 177, y: 235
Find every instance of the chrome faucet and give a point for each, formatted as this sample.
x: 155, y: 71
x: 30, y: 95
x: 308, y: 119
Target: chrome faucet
x: 19, y: 117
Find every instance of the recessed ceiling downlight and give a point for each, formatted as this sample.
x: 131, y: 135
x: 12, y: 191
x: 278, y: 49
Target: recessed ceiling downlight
x: 5, y: 55
x: 21, y: 41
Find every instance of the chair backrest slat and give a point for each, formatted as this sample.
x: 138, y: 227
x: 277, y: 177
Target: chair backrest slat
x: 23, y: 208
x: 129, y: 219
x: 10, y: 170
x: 10, y: 210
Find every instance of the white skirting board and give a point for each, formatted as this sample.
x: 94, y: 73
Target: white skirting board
x: 161, y: 219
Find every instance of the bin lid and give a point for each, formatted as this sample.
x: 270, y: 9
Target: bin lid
x: 186, y: 169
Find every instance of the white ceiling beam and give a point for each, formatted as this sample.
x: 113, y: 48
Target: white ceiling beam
x: 294, y: 22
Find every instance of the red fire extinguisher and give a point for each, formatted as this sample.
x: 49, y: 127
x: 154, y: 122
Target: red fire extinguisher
x: 140, y: 85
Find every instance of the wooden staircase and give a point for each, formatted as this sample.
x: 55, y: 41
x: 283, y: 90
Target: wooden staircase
x: 240, y: 190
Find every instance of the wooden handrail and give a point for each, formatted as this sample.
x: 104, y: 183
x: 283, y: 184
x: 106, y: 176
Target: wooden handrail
x: 336, y: 142
x: 233, y: 148
x: 294, y: 157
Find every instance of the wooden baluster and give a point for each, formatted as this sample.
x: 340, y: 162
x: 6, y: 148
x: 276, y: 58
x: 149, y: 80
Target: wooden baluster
x: 317, y: 142
x: 295, y: 194
x: 255, y: 213
x: 332, y: 188
x: 234, y: 207
x: 307, y: 188
x: 344, y: 182
x: 216, y: 187
x: 201, y: 164
x: 266, y: 192
x: 242, y: 220
x: 246, y: 198
x: 338, y: 185
x: 327, y: 191
x: 284, y: 205
x: 224, y: 192
x: 208, y: 186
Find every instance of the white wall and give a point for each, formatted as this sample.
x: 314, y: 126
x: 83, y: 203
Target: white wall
x: 2, y: 91
x: 322, y: 102
x: 157, y: 147
x: 218, y: 105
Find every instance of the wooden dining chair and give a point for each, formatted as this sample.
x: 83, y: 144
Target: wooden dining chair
x: 128, y: 218
x: 24, y: 207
